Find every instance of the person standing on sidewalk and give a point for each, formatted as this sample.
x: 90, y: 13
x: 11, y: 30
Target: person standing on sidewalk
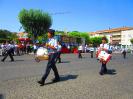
x: 52, y: 50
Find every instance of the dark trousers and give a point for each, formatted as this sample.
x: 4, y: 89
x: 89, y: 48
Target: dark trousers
x: 124, y: 55
x: 91, y: 54
x: 10, y: 53
x: 28, y: 49
x: 58, y: 57
x: 51, y: 65
x: 103, y: 68
x: 35, y: 50
x: 79, y: 54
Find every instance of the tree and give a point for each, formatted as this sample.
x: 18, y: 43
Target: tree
x: 35, y: 22
x: 80, y: 35
x: 13, y: 36
x: 131, y: 40
x: 74, y: 34
x: 6, y: 35
x: 96, y: 40
x: 86, y: 37
x: 59, y: 32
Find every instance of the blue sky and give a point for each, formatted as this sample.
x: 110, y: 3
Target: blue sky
x: 81, y: 15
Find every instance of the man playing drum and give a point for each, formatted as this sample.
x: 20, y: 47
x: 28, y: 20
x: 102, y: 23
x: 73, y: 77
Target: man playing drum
x: 52, y: 50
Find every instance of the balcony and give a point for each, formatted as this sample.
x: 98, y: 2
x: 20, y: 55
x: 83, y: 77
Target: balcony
x: 116, y: 38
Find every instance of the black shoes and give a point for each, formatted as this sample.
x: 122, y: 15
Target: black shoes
x: 2, y: 60
x: 41, y: 83
x: 101, y: 73
x: 12, y: 61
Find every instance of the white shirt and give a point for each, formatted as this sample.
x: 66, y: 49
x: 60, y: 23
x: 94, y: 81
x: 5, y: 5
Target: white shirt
x: 2, y: 46
x: 92, y: 49
x: 52, y: 42
x: 106, y: 46
x: 80, y: 48
x: 68, y: 47
x: 59, y: 48
x: 35, y: 47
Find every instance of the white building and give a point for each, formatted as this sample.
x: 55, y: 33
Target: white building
x: 125, y: 37
x: 117, y: 36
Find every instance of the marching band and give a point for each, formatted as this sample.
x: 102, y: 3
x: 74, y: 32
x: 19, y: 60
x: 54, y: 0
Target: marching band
x: 51, y: 52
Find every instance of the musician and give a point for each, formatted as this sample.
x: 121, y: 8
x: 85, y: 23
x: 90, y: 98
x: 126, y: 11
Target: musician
x: 104, y: 47
x: 124, y: 53
x: 80, y: 49
x: 9, y: 50
x: 52, y: 50
x: 59, y: 52
x: 91, y: 50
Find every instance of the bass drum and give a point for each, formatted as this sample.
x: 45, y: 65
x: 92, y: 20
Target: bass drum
x: 41, y: 54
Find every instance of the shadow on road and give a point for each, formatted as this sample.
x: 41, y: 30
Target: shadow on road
x: 18, y: 60
x: 111, y: 72
x: 1, y: 96
x: 65, y: 62
x: 64, y: 78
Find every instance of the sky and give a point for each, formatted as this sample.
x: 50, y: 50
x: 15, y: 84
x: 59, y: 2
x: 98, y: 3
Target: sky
x: 71, y: 15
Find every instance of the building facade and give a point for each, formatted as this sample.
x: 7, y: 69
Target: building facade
x: 117, y: 36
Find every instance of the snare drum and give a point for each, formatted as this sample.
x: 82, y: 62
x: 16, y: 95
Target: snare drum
x: 41, y: 54
x: 104, y: 56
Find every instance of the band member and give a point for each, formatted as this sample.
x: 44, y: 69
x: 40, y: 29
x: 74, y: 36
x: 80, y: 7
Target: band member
x: 91, y: 50
x: 80, y: 49
x: 52, y: 49
x: 124, y: 53
x: 104, y: 47
x: 9, y: 50
x: 35, y: 48
x: 59, y: 53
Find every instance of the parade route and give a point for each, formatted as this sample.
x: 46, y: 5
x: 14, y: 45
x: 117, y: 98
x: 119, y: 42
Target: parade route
x: 80, y: 78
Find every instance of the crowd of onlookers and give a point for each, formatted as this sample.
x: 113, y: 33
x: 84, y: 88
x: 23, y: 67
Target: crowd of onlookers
x: 20, y: 48
x: 27, y: 48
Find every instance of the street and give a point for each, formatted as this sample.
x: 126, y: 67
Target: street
x: 80, y: 78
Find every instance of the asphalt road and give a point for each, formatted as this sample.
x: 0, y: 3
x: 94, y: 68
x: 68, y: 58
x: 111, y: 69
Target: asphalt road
x: 79, y: 78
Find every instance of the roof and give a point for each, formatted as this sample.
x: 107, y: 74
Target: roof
x: 112, y: 30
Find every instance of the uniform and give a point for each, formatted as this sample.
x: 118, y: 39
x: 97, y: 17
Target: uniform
x: 59, y: 53
x: 103, y: 66
x: 80, y: 48
x: 124, y: 53
x: 91, y: 51
x: 9, y: 49
x: 51, y: 62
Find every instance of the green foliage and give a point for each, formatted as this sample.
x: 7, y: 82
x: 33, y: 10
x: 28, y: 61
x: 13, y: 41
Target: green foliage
x: 86, y: 37
x: 59, y: 33
x: 6, y: 35
x: 96, y: 40
x: 131, y: 40
x: 80, y: 35
x: 35, y: 22
x: 74, y: 34
x: 42, y: 39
